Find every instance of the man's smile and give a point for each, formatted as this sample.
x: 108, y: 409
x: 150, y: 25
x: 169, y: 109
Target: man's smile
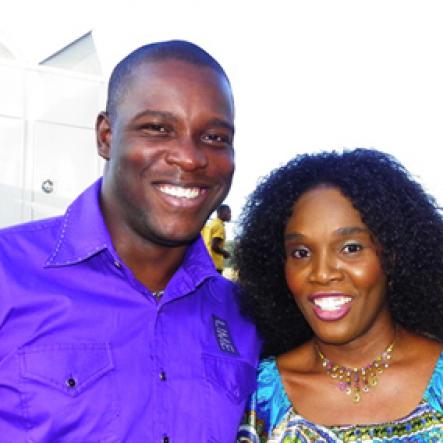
x: 181, y: 191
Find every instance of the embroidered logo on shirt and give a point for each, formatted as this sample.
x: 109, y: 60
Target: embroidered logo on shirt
x: 223, y: 336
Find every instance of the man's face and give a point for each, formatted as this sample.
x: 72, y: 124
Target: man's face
x: 170, y: 151
x: 226, y: 215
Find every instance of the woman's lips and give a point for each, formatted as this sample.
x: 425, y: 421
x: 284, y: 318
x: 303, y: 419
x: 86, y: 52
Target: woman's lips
x: 331, y: 306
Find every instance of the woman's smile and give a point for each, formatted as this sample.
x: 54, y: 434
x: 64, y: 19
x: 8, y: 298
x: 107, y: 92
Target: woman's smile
x: 331, y: 306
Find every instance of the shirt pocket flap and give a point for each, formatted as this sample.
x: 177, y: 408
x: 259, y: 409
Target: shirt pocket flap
x: 70, y: 368
x: 235, y: 377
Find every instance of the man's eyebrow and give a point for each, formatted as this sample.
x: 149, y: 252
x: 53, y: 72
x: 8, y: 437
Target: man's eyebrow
x: 159, y: 114
x: 349, y: 230
x: 221, y: 123
x: 171, y: 117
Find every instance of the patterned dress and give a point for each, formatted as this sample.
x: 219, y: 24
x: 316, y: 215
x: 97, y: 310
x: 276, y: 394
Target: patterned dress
x: 270, y: 417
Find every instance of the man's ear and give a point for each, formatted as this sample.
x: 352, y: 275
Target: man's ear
x: 104, y: 135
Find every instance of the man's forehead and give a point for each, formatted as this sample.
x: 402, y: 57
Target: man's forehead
x: 149, y: 69
x: 152, y: 78
x: 162, y: 73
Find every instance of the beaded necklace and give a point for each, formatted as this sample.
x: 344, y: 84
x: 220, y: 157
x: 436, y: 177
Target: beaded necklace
x: 354, y: 381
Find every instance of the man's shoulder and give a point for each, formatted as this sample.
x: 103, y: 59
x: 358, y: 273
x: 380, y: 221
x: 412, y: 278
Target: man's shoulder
x: 214, y: 222
x: 30, y: 228
x: 81, y: 221
x: 19, y: 238
x: 222, y: 285
x: 218, y: 222
x: 224, y: 292
x: 217, y: 228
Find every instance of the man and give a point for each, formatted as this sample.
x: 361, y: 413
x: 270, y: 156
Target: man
x: 214, y: 235
x: 113, y: 326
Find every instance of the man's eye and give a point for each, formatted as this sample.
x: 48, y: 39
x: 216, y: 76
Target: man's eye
x: 217, y: 139
x: 352, y: 248
x: 155, y: 129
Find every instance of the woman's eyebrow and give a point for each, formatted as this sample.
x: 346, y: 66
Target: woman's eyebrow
x: 294, y: 236
x: 348, y: 230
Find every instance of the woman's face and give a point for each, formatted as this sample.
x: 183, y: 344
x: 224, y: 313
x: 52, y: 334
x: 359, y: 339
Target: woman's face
x: 333, y: 267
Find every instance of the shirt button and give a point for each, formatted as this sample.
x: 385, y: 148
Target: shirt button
x: 71, y: 383
x: 165, y: 439
x: 162, y: 376
x: 117, y: 264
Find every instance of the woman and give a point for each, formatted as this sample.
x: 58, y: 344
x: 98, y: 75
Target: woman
x: 341, y: 260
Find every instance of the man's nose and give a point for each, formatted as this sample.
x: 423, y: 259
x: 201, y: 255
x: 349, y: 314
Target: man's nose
x: 187, y: 154
x: 325, y: 269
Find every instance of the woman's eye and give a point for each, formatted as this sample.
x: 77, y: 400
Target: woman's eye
x: 300, y: 253
x: 352, y: 248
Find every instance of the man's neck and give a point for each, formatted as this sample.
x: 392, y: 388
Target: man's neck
x: 153, y: 265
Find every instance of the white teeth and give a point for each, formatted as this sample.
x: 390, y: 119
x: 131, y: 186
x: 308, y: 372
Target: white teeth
x: 179, y: 191
x: 331, y: 303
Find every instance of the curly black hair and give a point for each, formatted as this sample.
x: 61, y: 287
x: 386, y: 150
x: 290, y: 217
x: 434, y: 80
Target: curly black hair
x: 405, y: 221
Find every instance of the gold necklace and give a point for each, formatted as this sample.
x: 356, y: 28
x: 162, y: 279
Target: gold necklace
x: 354, y: 381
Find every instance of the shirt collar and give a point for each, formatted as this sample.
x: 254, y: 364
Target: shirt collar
x: 83, y: 231
x: 83, y: 234
x: 196, y: 267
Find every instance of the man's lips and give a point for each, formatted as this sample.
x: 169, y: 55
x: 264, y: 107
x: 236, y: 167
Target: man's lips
x: 331, y: 306
x: 182, y: 195
x: 178, y: 191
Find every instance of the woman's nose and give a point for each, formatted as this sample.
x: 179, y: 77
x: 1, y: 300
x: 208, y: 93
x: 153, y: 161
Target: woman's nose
x: 325, y: 268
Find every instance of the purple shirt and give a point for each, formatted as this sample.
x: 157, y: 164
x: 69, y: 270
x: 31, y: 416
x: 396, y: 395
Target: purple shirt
x: 87, y: 355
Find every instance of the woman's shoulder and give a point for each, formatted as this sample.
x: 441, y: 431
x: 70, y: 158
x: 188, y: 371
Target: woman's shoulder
x: 434, y: 390
x: 267, y: 406
x: 423, y: 357
x: 267, y: 371
x: 269, y: 385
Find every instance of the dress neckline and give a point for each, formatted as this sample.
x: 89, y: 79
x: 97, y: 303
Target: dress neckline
x: 437, y: 372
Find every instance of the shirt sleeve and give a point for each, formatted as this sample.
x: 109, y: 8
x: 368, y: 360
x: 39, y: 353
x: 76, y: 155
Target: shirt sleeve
x: 266, y: 407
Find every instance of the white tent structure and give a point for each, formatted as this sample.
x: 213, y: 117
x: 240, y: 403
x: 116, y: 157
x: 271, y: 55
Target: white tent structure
x: 47, y: 114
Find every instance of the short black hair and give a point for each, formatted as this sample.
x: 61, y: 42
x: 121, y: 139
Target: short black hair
x: 405, y: 221
x: 223, y: 208
x: 153, y: 52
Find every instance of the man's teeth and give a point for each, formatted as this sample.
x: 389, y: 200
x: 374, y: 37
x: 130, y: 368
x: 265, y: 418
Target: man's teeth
x: 331, y: 303
x: 179, y: 191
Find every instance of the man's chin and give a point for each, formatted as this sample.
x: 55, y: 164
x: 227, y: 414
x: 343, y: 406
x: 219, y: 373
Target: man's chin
x: 174, y: 243
x: 174, y: 240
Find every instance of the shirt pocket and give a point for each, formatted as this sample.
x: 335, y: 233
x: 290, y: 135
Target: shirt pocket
x: 235, y: 378
x: 230, y: 381
x: 68, y: 392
